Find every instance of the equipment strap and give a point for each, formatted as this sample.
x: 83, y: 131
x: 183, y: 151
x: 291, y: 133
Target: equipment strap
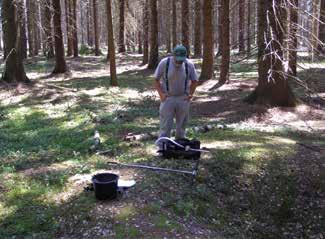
x: 166, y: 75
x: 186, y: 79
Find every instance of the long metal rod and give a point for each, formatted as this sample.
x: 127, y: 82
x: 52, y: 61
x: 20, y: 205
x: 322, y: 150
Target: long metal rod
x: 194, y: 172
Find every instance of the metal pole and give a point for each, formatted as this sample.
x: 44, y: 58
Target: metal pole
x: 194, y: 172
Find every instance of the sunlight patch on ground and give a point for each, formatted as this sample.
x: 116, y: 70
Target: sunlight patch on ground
x: 244, y: 74
x: 6, y: 211
x: 224, y: 144
x: 121, y: 92
x: 236, y: 84
x: 129, y: 67
x: 19, y: 112
x: 207, y: 99
x: 124, y: 213
x: 130, y: 93
x: 281, y: 140
x: 36, y: 75
x: 47, y: 169
x: 95, y: 91
x: 95, y: 73
x: 257, y: 153
x: 10, y: 98
x: 77, y: 182
x: 206, y: 86
x: 64, y: 196
x: 149, y: 122
x: 310, y: 65
x: 151, y: 149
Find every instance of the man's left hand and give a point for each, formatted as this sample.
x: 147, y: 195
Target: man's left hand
x: 189, y: 97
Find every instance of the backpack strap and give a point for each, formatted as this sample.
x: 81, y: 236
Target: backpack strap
x: 186, y: 79
x: 166, y: 73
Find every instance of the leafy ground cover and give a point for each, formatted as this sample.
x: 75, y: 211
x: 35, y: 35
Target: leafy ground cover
x: 264, y: 177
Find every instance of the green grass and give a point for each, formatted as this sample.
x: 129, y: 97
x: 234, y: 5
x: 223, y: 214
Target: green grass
x: 248, y: 186
x: 122, y: 232
x: 40, y: 66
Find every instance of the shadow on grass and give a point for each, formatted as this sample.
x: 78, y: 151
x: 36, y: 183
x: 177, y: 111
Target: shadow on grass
x: 251, y: 187
x: 249, y: 190
x: 135, y: 79
x: 31, y: 215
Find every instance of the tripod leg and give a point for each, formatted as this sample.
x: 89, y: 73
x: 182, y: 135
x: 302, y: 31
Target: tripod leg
x: 196, y: 170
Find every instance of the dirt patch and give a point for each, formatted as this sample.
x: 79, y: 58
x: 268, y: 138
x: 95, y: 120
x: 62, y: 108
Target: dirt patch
x: 3, y: 188
x: 227, y: 105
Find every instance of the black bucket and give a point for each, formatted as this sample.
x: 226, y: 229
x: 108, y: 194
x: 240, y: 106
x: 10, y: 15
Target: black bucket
x: 105, y: 186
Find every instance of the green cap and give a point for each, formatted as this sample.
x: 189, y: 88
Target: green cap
x: 180, y: 53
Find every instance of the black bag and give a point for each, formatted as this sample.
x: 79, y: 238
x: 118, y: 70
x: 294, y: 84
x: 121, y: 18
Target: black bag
x: 172, y: 150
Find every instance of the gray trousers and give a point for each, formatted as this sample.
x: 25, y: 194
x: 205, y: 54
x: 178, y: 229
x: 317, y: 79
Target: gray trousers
x: 174, y: 106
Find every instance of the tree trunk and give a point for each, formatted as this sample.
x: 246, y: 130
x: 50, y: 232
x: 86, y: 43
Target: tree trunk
x: 60, y: 64
x: 42, y: 9
x: 241, y: 24
x: 111, y: 47
x: 197, y: 27
x: 174, y: 24
x: 68, y: 26
x: 121, y: 44
x: 1, y: 47
x: 207, y: 65
x: 14, y: 68
x: 75, y: 29
x: 185, y: 25
x: 219, y: 29
x: 293, y: 42
x: 82, y: 22
x: 37, y: 32
x: 146, y: 32
x: 153, y: 58
x: 3, y: 40
x: 321, y: 34
x: 89, y: 24
x: 315, y: 28
x: 168, y: 27
x: 233, y: 13
x: 97, y: 52
x: 140, y: 34
x: 22, y: 24
x: 161, y: 21
x: 248, y: 33
x: 273, y: 87
x: 31, y: 28
x: 255, y: 18
x: 225, y: 50
x: 49, y: 51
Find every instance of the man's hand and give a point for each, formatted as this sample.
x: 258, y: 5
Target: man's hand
x: 189, y: 97
x: 163, y: 97
x: 161, y: 94
x: 192, y: 90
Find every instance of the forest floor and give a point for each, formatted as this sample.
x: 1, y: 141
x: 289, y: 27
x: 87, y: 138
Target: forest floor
x: 264, y: 177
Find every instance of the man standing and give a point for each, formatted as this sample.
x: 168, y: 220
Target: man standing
x: 176, y: 81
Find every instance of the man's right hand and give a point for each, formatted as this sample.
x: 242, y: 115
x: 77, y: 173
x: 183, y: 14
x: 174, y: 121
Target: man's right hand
x: 163, y: 97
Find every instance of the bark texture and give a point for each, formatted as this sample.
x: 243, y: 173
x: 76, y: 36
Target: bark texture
x: 225, y: 46
x: 154, y: 54
x: 207, y: 65
x: 273, y: 87
x: 14, y: 68
x: 60, y: 64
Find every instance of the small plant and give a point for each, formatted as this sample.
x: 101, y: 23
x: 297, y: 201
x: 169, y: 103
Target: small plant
x: 85, y: 50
